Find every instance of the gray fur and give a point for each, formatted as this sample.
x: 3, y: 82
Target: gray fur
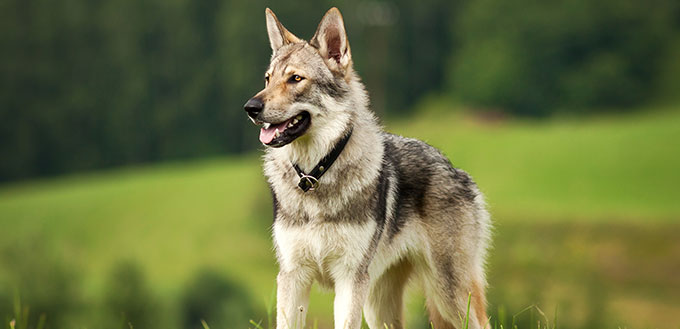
x: 390, y: 209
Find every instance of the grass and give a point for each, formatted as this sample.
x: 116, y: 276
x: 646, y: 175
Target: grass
x: 580, y: 206
x: 21, y: 319
x: 600, y: 168
x: 464, y: 320
x: 193, y: 210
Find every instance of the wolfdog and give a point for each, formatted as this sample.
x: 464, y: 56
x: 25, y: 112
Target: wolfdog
x: 356, y: 209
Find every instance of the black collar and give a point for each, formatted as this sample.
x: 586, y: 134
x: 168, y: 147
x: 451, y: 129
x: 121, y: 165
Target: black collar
x: 309, y: 182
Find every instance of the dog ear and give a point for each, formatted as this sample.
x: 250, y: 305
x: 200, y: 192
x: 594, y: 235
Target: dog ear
x: 278, y: 35
x: 331, y: 41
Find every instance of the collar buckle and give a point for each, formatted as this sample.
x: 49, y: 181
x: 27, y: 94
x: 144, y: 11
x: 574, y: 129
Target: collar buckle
x: 308, y: 183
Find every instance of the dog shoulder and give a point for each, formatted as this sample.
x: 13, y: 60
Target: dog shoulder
x: 426, y: 178
x: 419, y: 162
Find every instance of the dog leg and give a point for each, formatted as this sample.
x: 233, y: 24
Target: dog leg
x: 350, y: 296
x: 384, y: 305
x: 447, y: 292
x: 292, y: 299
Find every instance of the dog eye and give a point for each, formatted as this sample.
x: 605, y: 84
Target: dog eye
x: 295, y: 78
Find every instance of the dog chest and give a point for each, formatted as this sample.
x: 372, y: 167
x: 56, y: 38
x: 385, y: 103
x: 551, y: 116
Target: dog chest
x: 325, y: 248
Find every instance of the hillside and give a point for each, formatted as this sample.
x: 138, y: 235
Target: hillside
x: 566, y: 195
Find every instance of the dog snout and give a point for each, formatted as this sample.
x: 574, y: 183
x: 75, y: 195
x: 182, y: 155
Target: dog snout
x: 254, y: 107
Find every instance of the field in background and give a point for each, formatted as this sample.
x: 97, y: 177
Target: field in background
x: 586, y: 217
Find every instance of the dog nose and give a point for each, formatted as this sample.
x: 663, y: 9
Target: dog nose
x: 254, y: 106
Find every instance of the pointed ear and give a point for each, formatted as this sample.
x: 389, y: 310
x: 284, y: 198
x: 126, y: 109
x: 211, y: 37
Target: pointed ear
x: 331, y: 41
x: 278, y: 35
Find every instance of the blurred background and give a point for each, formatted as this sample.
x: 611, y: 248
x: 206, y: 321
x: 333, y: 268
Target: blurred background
x: 131, y: 192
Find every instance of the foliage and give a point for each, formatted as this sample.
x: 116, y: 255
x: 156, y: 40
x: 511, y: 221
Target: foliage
x: 41, y: 290
x: 92, y: 84
x: 128, y: 300
x: 535, y: 58
x: 211, y: 298
x: 95, y: 84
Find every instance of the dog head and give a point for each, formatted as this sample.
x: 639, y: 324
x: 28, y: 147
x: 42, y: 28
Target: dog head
x: 307, y: 83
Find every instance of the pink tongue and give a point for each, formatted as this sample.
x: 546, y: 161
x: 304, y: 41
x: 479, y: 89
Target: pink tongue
x: 267, y: 135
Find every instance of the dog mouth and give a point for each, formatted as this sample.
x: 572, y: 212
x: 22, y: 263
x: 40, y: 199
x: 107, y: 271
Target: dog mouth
x: 280, y: 134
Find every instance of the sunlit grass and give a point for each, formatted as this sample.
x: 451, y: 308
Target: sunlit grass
x: 20, y: 319
x: 602, y: 168
x: 209, y: 213
x: 537, y: 319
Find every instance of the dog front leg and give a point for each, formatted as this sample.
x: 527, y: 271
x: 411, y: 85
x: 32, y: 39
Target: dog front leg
x: 292, y: 299
x: 350, y: 295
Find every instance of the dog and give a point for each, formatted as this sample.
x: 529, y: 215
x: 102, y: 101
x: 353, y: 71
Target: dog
x: 356, y: 209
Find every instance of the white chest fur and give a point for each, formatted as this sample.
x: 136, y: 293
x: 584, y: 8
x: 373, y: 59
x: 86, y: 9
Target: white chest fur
x: 326, y: 250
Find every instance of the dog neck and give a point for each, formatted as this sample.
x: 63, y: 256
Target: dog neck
x: 310, y: 180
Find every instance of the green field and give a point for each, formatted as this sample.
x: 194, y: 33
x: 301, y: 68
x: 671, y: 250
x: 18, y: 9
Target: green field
x: 586, y: 211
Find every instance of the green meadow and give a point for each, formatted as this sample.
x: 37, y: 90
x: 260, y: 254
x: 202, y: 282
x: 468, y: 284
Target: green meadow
x: 586, y: 215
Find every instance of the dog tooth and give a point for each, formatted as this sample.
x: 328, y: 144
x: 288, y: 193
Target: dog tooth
x: 295, y: 121
x: 266, y: 125
x: 290, y: 124
x: 299, y: 117
x: 276, y: 133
